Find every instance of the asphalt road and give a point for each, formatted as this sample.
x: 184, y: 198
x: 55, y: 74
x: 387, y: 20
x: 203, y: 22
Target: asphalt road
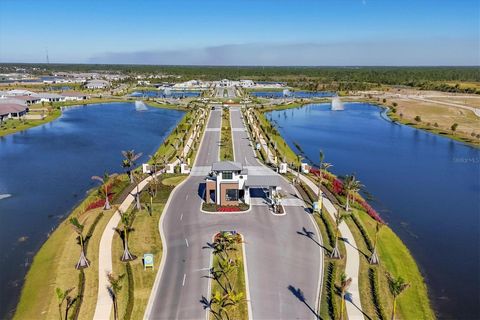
x: 283, y: 265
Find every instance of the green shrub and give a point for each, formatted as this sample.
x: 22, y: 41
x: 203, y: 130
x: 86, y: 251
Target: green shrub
x: 373, y: 279
x: 131, y: 293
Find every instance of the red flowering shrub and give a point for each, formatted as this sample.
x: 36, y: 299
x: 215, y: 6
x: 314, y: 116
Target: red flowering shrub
x: 228, y: 209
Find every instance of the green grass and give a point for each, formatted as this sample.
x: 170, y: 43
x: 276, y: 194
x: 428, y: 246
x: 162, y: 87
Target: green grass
x: 54, y: 265
x: 144, y: 239
x: 237, y: 278
x: 14, y: 125
x: 226, y: 147
x: 274, y: 137
x: 397, y: 259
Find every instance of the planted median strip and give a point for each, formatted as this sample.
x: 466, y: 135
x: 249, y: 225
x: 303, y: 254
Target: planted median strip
x: 226, y: 143
x: 228, y: 296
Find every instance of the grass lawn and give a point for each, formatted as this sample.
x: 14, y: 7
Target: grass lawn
x: 54, y: 266
x: 274, y: 137
x: 443, y: 116
x: 397, y: 259
x: 144, y: 239
x: 226, y: 147
x: 237, y: 280
x: 14, y: 125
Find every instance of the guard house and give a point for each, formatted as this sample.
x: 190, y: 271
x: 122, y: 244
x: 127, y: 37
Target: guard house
x: 226, y: 184
x: 229, y: 183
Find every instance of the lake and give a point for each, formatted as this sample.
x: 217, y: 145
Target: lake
x: 47, y: 170
x: 425, y: 186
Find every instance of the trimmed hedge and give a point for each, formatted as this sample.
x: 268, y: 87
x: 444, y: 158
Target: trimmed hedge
x: 331, y: 289
x: 131, y: 291
x: 373, y: 278
x: 364, y: 232
x: 81, y: 290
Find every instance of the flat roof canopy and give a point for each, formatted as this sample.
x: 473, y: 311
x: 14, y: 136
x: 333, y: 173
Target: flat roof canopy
x: 262, y: 181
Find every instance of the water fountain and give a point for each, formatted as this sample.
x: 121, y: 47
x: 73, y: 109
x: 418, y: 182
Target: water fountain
x: 140, y: 106
x: 337, y: 104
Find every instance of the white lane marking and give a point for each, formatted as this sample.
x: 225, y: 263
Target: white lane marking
x: 184, y: 277
x: 181, y: 217
x: 186, y: 197
x: 186, y: 241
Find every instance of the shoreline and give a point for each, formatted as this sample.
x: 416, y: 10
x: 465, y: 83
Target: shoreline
x: 29, y: 286
x: 394, y: 239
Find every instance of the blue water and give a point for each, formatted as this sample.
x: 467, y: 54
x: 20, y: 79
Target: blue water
x: 293, y: 94
x: 425, y: 186
x: 47, y: 171
x: 162, y: 94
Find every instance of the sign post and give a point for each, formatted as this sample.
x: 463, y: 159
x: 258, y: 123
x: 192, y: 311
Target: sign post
x: 148, y: 261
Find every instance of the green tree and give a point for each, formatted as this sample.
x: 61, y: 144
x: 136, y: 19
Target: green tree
x: 344, y: 285
x: 396, y: 286
x: 63, y: 296
x: 351, y: 186
x: 114, y: 289
x: 78, y: 227
x: 374, y: 257
x: 418, y: 119
x: 129, y: 162
x: 126, y: 220
x: 454, y: 127
x: 103, y: 180
x: 339, y: 217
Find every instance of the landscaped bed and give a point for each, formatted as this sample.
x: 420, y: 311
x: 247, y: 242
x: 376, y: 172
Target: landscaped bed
x: 227, y: 276
x: 212, y: 207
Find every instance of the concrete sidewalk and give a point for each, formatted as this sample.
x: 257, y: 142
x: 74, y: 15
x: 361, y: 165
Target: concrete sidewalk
x: 352, y: 268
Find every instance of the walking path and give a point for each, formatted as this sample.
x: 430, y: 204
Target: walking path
x: 104, y: 301
x: 352, y: 257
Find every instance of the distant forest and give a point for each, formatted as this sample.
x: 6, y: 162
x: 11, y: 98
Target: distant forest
x: 453, y: 79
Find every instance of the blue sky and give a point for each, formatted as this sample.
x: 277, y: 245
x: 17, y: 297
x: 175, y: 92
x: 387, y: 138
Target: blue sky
x: 247, y: 32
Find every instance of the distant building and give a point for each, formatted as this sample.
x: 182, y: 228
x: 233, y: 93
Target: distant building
x: 10, y: 109
x: 19, y: 92
x: 74, y: 96
x: 97, y: 84
x: 26, y: 99
x: 49, y: 97
x: 247, y: 83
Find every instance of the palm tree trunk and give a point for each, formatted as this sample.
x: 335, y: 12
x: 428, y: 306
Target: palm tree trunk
x: 115, y: 309
x: 347, y: 207
x: 107, y: 202
x: 394, y: 307
x: 342, y: 305
x: 60, y: 310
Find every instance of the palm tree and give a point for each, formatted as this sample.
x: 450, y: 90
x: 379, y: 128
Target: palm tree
x: 136, y: 179
x: 374, y: 257
x: 350, y: 186
x: 152, y: 192
x: 127, y: 221
x: 155, y: 160
x: 397, y: 286
x: 339, y: 217
x: 113, y: 289
x: 129, y: 162
x: 61, y: 297
x: 344, y: 285
x: 104, y: 181
x: 299, y: 160
x: 227, y: 267
x: 222, y: 303
x: 324, y: 166
x: 78, y: 227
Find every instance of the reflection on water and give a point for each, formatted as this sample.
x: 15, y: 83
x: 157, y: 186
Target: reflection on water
x: 427, y: 187
x: 47, y: 171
